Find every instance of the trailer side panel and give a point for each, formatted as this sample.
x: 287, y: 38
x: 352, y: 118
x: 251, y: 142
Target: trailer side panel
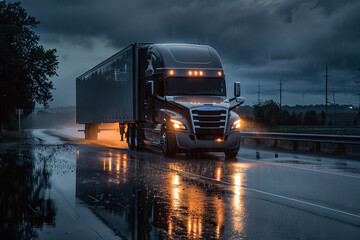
x: 105, y: 93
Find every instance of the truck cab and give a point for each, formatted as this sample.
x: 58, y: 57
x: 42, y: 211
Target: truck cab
x: 185, y: 106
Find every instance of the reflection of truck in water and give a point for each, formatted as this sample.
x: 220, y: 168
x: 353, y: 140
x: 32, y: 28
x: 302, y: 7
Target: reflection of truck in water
x: 171, y: 96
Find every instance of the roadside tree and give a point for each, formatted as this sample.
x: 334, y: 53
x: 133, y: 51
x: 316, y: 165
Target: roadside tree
x: 25, y: 66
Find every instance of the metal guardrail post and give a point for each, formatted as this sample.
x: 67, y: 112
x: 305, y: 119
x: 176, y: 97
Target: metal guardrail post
x: 275, y: 145
x: 341, y: 149
x: 295, y: 145
x: 318, y: 147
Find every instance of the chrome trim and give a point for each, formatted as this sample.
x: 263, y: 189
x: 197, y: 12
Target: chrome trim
x: 206, y: 108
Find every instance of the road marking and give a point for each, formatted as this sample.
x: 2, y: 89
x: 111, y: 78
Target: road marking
x: 306, y: 169
x: 271, y: 194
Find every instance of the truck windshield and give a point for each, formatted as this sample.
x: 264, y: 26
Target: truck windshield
x: 195, y: 86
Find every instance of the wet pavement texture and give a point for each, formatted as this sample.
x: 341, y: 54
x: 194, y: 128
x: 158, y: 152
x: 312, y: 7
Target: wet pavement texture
x: 57, y: 188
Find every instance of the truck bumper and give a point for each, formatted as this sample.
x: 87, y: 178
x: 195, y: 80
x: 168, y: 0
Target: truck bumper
x: 187, y: 141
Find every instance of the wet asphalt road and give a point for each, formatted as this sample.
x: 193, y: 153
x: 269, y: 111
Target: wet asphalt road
x: 53, y: 188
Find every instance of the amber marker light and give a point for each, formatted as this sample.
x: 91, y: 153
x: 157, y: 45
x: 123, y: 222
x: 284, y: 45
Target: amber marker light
x: 218, y: 140
x: 195, y: 73
x: 190, y: 73
x: 219, y: 73
x: 171, y: 72
x: 201, y: 73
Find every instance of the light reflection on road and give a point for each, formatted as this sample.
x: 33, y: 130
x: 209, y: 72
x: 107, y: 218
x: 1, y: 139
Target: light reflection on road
x: 181, y: 204
x: 218, y: 173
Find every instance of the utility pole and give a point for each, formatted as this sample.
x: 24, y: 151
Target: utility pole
x: 303, y: 97
x: 259, y: 93
x: 334, y: 107
x: 326, y: 90
x: 280, y: 94
x: 357, y: 76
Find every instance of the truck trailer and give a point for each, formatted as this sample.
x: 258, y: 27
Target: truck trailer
x: 166, y: 96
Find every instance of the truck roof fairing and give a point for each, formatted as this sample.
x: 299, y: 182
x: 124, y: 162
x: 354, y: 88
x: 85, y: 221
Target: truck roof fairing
x: 170, y: 55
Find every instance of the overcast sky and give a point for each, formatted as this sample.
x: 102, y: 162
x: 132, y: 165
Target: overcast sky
x: 260, y: 42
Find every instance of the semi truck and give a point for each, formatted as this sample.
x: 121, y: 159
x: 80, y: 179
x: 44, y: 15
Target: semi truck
x: 166, y: 96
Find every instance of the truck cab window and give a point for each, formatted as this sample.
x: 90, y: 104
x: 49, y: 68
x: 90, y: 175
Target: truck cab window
x: 178, y: 86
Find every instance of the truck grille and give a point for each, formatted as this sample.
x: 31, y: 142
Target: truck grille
x: 209, y: 123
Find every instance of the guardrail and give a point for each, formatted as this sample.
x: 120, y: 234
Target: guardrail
x: 295, y: 138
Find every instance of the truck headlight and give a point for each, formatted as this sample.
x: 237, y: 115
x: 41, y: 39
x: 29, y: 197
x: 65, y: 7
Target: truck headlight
x: 177, y: 124
x: 236, y: 124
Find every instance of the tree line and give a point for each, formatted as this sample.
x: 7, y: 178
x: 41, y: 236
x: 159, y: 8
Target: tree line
x: 270, y: 114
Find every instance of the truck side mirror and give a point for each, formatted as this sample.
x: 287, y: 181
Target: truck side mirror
x: 240, y: 100
x: 237, y: 91
x: 150, y: 88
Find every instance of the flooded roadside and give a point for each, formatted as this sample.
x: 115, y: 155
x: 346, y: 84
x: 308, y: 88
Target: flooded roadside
x: 37, y: 193
x: 26, y: 205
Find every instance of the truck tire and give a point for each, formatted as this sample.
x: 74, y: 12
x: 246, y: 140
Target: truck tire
x: 136, y: 136
x: 167, y: 144
x: 91, y: 131
x: 130, y: 136
x: 231, y: 154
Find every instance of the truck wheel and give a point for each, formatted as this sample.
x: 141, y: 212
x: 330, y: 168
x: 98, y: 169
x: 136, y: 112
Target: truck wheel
x: 231, y: 154
x: 130, y: 134
x: 167, y: 146
x: 86, y: 131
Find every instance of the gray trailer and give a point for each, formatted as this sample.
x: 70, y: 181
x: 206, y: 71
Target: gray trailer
x: 99, y: 89
x: 105, y: 93
x: 170, y: 96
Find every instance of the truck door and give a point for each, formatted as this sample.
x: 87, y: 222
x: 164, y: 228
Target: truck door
x: 148, y: 112
x: 152, y: 107
x: 160, y: 93
x: 148, y: 105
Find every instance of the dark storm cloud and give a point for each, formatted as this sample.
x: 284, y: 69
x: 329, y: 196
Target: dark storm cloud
x: 262, y: 40
x: 249, y: 32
